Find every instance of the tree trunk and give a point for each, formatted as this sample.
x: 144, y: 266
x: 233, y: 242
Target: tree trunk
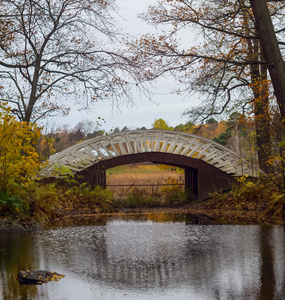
x: 262, y: 122
x: 271, y: 51
x: 261, y: 106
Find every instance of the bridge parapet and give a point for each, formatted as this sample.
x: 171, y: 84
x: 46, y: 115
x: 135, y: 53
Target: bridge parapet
x: 87, y: 153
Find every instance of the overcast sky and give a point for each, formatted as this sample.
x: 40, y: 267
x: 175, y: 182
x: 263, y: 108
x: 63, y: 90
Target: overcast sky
x: 165, y: 104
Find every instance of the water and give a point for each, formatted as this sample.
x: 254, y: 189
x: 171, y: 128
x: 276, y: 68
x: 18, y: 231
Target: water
x: 147, y: 257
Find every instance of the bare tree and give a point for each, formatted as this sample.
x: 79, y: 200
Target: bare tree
x: 227, y: 67
x: 53, y: 52
x: 87, y: 126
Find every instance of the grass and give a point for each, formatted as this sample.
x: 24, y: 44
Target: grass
x: 46, y: 201
x: 141, y: 169
x: 137, y: 186
x: 150, y: 177
x: 139, y: 198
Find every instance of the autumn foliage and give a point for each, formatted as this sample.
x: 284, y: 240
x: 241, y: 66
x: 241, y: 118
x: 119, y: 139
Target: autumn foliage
x: 214, y: 48
x: 19, y: 162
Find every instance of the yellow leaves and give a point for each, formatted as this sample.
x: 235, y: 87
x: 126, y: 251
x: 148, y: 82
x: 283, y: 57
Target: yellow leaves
x: 211, y: 130
x: 161, y: 124
x: 38, y: 276
x: 275, y: 159
x: 56, y: 277
x: 18, y: 158
x: 242, y: 179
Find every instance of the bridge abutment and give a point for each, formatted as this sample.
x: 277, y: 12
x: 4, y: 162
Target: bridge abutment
x: 191, y: 182
x: 93, y: 176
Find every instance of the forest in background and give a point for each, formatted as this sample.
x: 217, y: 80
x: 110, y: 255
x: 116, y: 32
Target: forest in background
x: 228, y: 133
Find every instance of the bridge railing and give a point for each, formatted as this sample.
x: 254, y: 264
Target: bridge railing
x: 85, y: 154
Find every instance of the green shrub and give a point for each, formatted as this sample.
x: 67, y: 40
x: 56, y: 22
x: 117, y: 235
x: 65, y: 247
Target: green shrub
x: 47, y: 201
x: 10, y: 203
x: 135, y: 198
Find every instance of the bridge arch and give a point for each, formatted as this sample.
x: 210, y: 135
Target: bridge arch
x: 208, y: 165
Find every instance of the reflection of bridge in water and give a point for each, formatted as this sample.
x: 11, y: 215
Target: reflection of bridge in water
x: 208, y: 165
x: 213, y: 262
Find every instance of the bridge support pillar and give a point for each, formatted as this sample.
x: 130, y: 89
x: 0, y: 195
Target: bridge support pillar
x: 94, y: 176
x: 101, y: 177
x: 191, y: 182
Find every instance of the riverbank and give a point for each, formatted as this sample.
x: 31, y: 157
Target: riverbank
x: 253, y: 205
x: 199, y: 210
x: 220, y: 215
x: 247, y: 203
x: 247, y: 213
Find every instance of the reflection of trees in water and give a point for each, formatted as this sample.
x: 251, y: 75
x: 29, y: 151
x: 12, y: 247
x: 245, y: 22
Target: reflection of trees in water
x: 266, y: 268
x: 278, y: 252
x: 15, y: 255
x: 220, y: 262
x: 272, y: 249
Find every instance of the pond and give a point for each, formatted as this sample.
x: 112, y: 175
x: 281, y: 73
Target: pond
x: 150, y: 256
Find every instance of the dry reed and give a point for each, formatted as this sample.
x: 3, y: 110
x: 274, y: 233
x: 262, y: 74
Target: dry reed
x: 149, y: 183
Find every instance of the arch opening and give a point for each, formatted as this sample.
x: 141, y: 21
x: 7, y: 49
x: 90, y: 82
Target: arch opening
x: 201, y: 177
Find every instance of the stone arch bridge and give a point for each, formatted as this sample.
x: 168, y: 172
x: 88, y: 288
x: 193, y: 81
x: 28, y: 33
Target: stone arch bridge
x: 208, y: 165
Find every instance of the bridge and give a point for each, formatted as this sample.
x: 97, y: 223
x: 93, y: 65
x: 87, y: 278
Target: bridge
x: 208, y: 165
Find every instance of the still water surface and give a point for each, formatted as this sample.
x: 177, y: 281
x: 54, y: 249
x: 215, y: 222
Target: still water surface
x: 147, y: 257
